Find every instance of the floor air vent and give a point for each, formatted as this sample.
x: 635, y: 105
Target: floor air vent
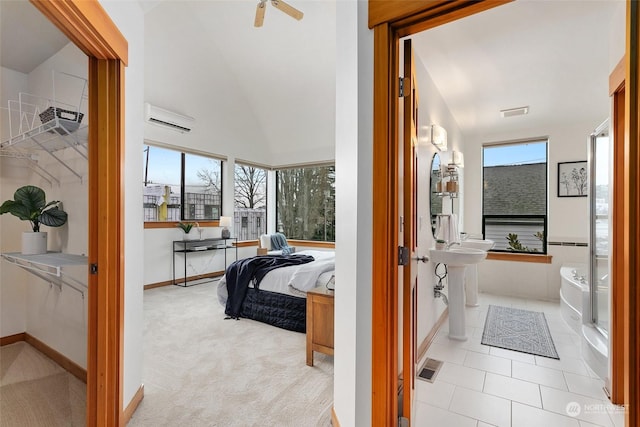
x: 429, y: 370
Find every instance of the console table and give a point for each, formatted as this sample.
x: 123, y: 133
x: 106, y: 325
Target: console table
x: 189, y: 247
x: 50, y: 267
x: 319, y: 322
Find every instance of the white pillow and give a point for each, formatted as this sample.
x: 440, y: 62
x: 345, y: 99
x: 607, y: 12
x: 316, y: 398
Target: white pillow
x: 265, y: 241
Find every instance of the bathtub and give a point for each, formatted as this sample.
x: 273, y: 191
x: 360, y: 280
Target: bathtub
x: 574, y: 289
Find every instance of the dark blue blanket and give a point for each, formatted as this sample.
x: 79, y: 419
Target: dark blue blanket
x: 240, y: 273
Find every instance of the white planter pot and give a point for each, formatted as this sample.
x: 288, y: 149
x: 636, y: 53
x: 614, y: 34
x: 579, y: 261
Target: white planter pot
x: 34, y: 243
x: 189, y: 236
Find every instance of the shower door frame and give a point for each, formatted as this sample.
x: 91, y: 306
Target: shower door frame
x: 592, y: 315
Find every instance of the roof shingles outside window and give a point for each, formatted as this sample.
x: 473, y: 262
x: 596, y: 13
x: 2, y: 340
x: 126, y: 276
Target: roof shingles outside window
x: 515, y: 189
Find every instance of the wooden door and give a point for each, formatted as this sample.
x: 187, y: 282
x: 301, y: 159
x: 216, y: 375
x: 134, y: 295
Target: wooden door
x: 410, y: 240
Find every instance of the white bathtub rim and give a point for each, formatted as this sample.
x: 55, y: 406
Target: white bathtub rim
x: 567, y: 276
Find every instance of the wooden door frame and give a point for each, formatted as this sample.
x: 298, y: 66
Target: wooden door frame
x: 629, y: 216
x: 87, y: 25
x: 409, y: 230
x: 391, y: 20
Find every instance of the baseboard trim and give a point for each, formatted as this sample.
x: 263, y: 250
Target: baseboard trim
x: 133, y: 405
x: 189, y: 278
x: 424, y: 345
x: 334, y: 418
x: 12, y: 339
x: 69, y: 365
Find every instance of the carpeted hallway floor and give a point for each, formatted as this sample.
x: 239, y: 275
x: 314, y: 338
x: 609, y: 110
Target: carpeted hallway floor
x: 35, y: 391
x: 199, y: 371
x: 202, y: 370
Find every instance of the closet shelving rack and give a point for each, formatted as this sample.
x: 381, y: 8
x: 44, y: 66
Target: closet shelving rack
x: 50, y: 267
x: 37, y: 124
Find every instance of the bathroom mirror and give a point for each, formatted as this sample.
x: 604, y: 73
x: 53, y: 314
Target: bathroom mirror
x: 436, y: 192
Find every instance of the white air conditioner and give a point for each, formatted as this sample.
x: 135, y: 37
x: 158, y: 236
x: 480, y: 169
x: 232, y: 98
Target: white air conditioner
x: 168, y: 119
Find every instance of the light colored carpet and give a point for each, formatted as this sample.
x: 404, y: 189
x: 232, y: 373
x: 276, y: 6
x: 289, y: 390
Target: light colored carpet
x: 202, y: 370
x: 35, y: 391
x: 520, y: 330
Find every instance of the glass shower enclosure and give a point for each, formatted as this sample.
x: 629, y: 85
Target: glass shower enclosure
x: 599, y: 191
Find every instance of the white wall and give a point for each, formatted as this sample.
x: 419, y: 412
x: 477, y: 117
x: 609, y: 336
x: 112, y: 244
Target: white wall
x: 158, y: 258
x: 354, y: 240
x: 568, y: 217
x: 13, y: 292
x: 617, y: 36
x: 55, y: 316
x: 224, y: 120
x: 432, y: 109
x: 128, y: 17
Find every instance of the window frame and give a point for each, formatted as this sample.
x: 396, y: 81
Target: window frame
x: 545, y: 217
x: 182, y: 217
x: 277, y: 171
x: 260, y: 222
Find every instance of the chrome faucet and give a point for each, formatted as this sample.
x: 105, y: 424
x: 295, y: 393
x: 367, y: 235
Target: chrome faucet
x: 448, y: 245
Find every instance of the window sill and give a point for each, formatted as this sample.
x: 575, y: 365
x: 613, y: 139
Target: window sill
x: 505, y: 256
x: 311, y: 243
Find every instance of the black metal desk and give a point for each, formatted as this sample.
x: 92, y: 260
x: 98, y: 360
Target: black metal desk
x: 187, y: 247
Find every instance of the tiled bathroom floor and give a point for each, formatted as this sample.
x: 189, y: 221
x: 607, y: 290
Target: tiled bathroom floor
x: 480, y: 386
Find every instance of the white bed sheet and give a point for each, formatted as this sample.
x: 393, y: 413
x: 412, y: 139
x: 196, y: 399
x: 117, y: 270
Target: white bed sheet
x: 303, y: 276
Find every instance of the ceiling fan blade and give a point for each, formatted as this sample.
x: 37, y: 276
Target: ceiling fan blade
x: 262, y: 6
x: 288, y: 9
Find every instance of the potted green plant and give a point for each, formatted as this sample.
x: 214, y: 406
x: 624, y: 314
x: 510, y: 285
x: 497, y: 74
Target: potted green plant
x: 186, y: 228
x: 29, y: 204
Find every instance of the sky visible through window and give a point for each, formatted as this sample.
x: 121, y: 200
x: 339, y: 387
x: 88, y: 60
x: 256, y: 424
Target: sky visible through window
x: 518, y: 154
x: 164, y: 166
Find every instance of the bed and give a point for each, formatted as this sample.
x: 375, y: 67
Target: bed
x: 280, y: 299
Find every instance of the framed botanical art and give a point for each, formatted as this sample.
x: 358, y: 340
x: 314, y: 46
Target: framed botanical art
x: 573, y: 179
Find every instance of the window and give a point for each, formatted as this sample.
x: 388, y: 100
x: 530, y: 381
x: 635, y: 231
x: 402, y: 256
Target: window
x: 250, y: 201
x: 305, y: 203
x: 514, y: 203
x: 180, y: 186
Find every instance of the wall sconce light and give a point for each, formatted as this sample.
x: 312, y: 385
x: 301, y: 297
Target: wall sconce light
x: 457, y: 158
x: 439, y: 137
x: 225, y: 221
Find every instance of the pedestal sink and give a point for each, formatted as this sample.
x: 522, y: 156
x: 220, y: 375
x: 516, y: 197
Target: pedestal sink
x: 471, y: 277
x: 457, y: 259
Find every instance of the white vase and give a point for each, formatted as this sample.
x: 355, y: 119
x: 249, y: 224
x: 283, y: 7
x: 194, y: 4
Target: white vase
x: 34, y: 243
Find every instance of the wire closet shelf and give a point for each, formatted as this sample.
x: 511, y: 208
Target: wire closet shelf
x: 38, y: 124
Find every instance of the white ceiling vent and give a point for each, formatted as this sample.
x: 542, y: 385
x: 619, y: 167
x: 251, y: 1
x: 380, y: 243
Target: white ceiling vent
x: 520, y: 111
x: 168, y: 119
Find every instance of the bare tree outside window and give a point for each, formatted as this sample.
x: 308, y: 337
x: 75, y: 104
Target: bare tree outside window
x: 250, y: 201
x: 305, y: 203
x: 180, y: 186
x: 210, y: 177
x: 250, y: 187
x: 202, y: 187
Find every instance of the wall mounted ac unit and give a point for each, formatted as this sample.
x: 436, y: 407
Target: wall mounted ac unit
x: 168, y: 119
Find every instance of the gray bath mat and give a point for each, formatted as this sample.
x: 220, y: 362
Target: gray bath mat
x: 519, y: 330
